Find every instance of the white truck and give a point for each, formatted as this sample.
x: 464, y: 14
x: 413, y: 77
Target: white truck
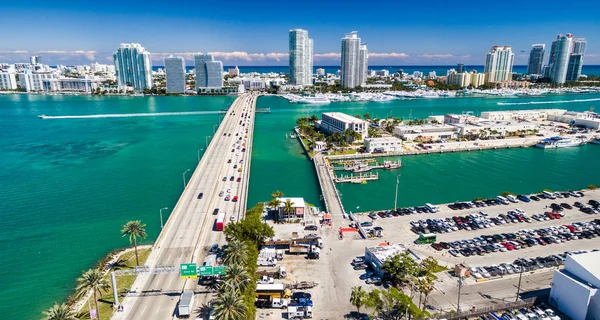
x: 265, y: 280
x: 186, y: 304
x: 302, y: 312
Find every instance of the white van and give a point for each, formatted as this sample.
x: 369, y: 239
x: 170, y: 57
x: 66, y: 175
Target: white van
x: 512, y: 198
x: 432, y: 208
x: 502, y: 199
x: 548, y: 195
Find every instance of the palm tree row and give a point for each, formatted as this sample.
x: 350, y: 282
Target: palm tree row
x: 229, y: 304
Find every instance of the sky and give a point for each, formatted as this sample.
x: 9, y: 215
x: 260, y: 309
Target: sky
x: 255, y: 33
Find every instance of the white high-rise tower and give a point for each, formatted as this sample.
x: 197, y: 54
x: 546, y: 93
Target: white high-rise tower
x: 133, y: 66
x: 498, y: 64
x: 350, y: 60
x: 301, y: 57
x: 560, y: 59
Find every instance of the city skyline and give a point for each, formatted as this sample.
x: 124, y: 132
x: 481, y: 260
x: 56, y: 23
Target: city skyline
x: 247, y: 34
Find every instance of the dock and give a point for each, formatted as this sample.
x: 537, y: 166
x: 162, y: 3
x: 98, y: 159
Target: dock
x: 361, y: 178
x: 354, y: 164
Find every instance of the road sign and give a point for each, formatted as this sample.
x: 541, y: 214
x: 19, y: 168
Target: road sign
x: 205, y: 271
x: 219, y: 270
x: 188, y: 270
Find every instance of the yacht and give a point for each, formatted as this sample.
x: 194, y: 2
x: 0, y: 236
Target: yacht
x: 596, y: 140
x: 561, y: 142
x: 362, y: 168
x: 388, y: 165
x: 314, y: 100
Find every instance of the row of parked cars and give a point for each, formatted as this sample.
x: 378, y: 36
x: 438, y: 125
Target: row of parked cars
x: 428, y: 208
x: 514, y: 199
x: 473, y: 221
x: 369, y: 276
x: 532, y: 313
x: 524, y: 238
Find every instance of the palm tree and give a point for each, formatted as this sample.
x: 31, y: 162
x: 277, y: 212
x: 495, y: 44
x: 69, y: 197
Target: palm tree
x: 92, y: 279
x: 358, y: 297
x: 229, y: 306
x: 236, y: 276
x: 277, y: 194
x: 425, y: 285
x: 313, y: 118
x: 134, y: 229
x: 289, y: 207
x: 236, y: 253
x: 60, y: 312
x: 274, y: 203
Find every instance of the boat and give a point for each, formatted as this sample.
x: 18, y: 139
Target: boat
x: 359, y: 181
x: 42, y: 116
x: 293, y: 136
x: 561, y: 142
x: 596, y: 140
x: 388, y: 165
x: 361, y: 168
x: 313, y: 100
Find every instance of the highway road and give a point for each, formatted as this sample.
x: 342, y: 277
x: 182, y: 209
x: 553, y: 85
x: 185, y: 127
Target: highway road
x: 190, y: 229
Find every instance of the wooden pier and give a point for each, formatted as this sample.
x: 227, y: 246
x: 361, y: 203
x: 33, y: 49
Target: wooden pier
x: 361, y: 178
x: 350, y: 167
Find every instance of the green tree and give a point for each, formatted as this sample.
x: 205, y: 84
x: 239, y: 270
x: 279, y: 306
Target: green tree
x: 276, y: 194
x: 429, y: 266
x: 236, y: 253
x: 358, y: 297
x: 274, y: 203
x: 425, y: 285
x: 251, y: 228
x: 400, y: 267
x: 357, y: 116
x: 592, y: 186
x: 134, y: 229
x: 229, y: 306
x: 60, y: 312
x: 289, y: 207
x: 92, y: 279
x: 367, y: 116
x: 236, y: 276
x: 313, y: 118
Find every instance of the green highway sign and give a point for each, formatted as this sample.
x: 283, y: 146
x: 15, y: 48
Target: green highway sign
x: 219, y: 270
x: 188, y: 270
x: 205, y: 271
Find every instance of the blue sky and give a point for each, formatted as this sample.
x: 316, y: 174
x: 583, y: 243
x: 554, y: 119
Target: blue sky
x: 255, y: 33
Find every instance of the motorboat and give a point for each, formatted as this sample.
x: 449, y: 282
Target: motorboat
x: 561, y: 142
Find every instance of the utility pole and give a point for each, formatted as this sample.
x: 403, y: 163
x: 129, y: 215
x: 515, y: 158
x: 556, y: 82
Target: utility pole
x: 519, y: 285
x: 460, y: 282
x: 396, y: 197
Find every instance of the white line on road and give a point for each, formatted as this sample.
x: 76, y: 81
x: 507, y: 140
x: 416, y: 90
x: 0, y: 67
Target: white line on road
x: 157, y: 310
x: 144, y: 309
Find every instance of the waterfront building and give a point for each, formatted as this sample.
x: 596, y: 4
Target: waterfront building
x: 299, y: 208
x: 477, y: 79
x: 536, y: 59
x: 538, y: 115
x: 425, y: 132
x: 460, y: 68
x: 584, y: 119
x: 574, y: 289
x: 498, y: 64
x: 560, y: 58
x: 320, y: 72
x: 133, y: 66
x: 376, y: 256
x: 382, y: 73
x: 459, y: 79
x: 209, y: 73
x: 363, y: 64
x: 34, y: 81
x: 8, y: 80
x: 175, y: 74
x: 332, y: 122
x: 494, y: 128
x: 301, y: 57
x: 234, y: 72
x: 466, y: 117
x: 576, y: 59
x: 386, y: 144
x: 350, y: 60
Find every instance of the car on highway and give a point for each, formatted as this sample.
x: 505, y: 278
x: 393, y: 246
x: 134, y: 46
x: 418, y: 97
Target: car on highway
x: 214, y: 248
x: 232, y: 150
x: 216, y: 211
x: 239, y: 179
x: 227, y: 198
x: 200, y: 195
x: 224, y: 178
x: 228, y: 190
x: 231, y: 178
x: 221, y: 194
x: 229, y: 161
x: 235, y: 166
x: 235, y: 199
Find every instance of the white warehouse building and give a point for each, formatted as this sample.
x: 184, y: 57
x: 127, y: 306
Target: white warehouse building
x: 387, y: 144
x: 575, y: 288
x: 332, y: 122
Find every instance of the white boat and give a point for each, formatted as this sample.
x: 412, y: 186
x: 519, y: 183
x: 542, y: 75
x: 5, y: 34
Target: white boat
x: 596, y: 140
x: 313, y: 100
x: 561, y: 142
x: 362, y: 168
x: 388, y: 165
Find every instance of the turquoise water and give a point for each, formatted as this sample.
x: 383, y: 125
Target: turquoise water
x: 67, y: 185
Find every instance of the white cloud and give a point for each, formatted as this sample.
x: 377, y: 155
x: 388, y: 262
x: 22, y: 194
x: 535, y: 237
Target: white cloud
x: 90, y: 54
x: 387, y: 55
x: 14, y: 52
x: 438, y: 56
x: 330, y: 55
x: 228, y: 56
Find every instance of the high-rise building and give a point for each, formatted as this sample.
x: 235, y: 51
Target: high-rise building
x: 175, y: 74
x: 460, y: 68
x: 536, y: 59
x: 35, y: 60
x: 363, y: 64
x: 133, y: 66
x: 350, y: 60
x: 560, y: 59
x: 576, y: 59
x: 498, y: 64
x: 458, y: 79
x: 209, y: 73
x: 301, y: 57
x: 477, y: 79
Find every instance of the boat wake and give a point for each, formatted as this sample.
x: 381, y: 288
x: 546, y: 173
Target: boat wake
x: 129, y: 115
x: 546, y: 102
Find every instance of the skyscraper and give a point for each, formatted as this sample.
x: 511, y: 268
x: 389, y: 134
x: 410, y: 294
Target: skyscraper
x: 350, y: 60
x: 133, y: 66
x: 536, y: 59
x: 363, y: 64
x: 560, y: 59
x: 460, y: 68
x: 175, y: 74
x: 498, y: 64
x: 35, y: 60
x: 576, y: 59
x: 301, y: 57
x: 209, y: 73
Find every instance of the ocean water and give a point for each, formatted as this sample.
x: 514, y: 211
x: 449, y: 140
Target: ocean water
x: 67, y: 185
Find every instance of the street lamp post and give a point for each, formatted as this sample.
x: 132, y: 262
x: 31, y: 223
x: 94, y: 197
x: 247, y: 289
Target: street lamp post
x: 214, y: 128
x: 199, y: 154
x: 460, y: 282
x: 396, y: 196
x: 186, y: 171
x: 519, y: 286
x: 161, y: 220
x: 206, y: 140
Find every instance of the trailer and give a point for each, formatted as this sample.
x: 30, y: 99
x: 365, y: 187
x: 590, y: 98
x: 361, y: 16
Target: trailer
x: 286, y: 243
x: 277, y: 273
x: 302, y: 285
x: 299, y: 312
x: 186, y: 304
x: 220, y: 222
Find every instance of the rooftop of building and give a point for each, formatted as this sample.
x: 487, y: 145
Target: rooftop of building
x: 588, y: 261
x: 344, y: 117
x: 382, y: 253
x: 425, y: 127
x: 296, y: 202
x: 383, y: 139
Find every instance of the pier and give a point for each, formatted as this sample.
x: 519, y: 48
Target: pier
x: 361, y: 178
x: 355, y: 164
x: 190, y: 227
x: 331, y: 196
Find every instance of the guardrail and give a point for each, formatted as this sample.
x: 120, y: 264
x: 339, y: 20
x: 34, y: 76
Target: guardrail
x: 481, y: 311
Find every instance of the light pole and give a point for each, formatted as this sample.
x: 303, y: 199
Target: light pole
x: 396, y: 197
x: 214, y: 128
x: 206, y: 140
x: 459, y: 287
x: 186, y: 171
x: 161, y: 220
x: 519, y: 286
x: 199, y: 154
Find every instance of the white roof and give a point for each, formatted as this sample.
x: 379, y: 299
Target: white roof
x: 384, y: 252
x: 270, y: 287
x: 296, y: 202
x: 383, y: 139
x: 587, y: 261
x: 344, y: 117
